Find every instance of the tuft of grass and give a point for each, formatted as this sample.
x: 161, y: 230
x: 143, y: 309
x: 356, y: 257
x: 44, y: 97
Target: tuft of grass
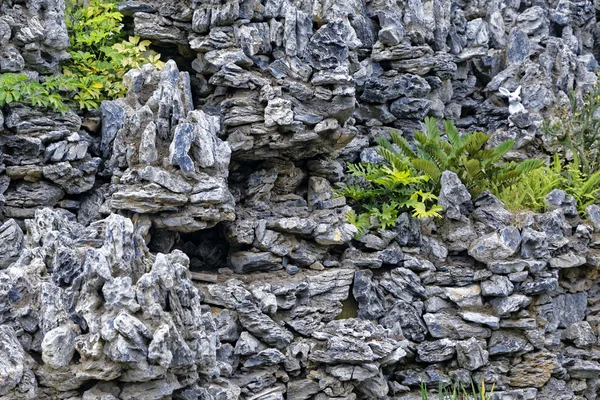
x: 458, y: 392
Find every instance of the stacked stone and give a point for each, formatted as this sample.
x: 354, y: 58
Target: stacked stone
x: 251, y: 142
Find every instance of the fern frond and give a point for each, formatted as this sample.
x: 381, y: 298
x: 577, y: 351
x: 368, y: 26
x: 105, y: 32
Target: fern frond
x: 529, y: 165
x: 452, y: 133
x: 428, y: 168
x: 433, y: 132
x: 504, y: 148
x: 476, y: 141
x: 403, y: 144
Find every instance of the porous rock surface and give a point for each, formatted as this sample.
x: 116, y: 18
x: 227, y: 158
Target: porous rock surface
x: 185, y: 242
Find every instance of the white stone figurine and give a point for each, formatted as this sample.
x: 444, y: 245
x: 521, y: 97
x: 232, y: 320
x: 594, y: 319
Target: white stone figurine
x: 514, y: 100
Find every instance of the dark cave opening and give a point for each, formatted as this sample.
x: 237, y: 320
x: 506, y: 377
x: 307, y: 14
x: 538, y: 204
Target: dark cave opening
x: 207, y: 249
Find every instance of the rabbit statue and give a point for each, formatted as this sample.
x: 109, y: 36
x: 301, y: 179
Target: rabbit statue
x: 514, y: 100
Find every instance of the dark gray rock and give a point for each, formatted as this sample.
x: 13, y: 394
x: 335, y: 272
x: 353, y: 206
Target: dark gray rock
x: 371, y: 302
x: 405, y: 318
x: 438, y: 351
x: 454, y: 196
x: 471, y: 355
x: 410, y: 108
x: 507, y: 342
x: 383, y: 89
x: 11, y: 242
x: 261, y: 326
x: 327, y: 48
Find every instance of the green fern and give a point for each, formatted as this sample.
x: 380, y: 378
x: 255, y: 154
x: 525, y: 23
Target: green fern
x: 385, y: 192
x: 479, y: 168
x: 529, y: 191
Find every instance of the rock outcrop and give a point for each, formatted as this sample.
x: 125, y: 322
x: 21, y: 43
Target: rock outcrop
x: 186, y: 241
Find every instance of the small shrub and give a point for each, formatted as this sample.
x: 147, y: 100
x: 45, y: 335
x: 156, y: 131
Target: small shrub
x: 100, y: 55
x: 530, y: 192
x: 99, y: 58
x: 20, y: 89
x: 479, y: 168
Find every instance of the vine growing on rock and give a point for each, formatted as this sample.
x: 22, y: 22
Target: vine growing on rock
x: 100, y: 56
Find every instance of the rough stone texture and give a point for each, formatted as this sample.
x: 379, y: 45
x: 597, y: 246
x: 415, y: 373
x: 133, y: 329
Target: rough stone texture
x: 211, y: 258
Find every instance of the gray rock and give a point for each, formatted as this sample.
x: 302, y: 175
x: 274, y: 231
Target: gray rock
x: 583, y: 369
x: 12, y: 361
x: 470, y: 354
x: 496, y: 246
x: 506, y: 305
x: 58, y: 346
x: 497, y: 286
x: 356, y: 373
x: 508, y: 342
x: 405, y: 318
x: 11, y: 242
x: 539, y: 286
x: 438, y: 351
x: 248, y: 345
x: 383, y: 89
x: 454, y: 196
x: 410, y: 108
x: 481, y: 318
x: 445, y: 325
x: 534, y: 244
x: 570, y: 308
x: 581, y: 334
x: 262, y: 326
x: 593, y: 213
x: 245, y: 261
x: 327, y: 48
x: 568, y: 260
x: 371, y: 301
x: 518, y: 46
x: 302, y: 389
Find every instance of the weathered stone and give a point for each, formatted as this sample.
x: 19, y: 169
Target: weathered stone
x: 496, y: 246
x: 11, y: 242
x: 438, y: 351
x: 444, y: 325
x: 534, y: 370
x: 581, y: 334
x: 507, y: 342
x: 497, y: 286
x: 454, y: 196
x: 470, y: 354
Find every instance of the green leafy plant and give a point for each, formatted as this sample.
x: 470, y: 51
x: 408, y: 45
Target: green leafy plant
x: 477, y: 167
x: 100, y: 56
x: 16, y: 88
x: 384, y: 192
x: 530, y: 192
x: 458, y: 392
x: 578, y: 129
x: 100, y: 53
x: 584, y: 188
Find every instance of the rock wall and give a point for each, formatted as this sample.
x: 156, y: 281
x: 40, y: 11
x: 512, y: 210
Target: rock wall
x: 184, y: 242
